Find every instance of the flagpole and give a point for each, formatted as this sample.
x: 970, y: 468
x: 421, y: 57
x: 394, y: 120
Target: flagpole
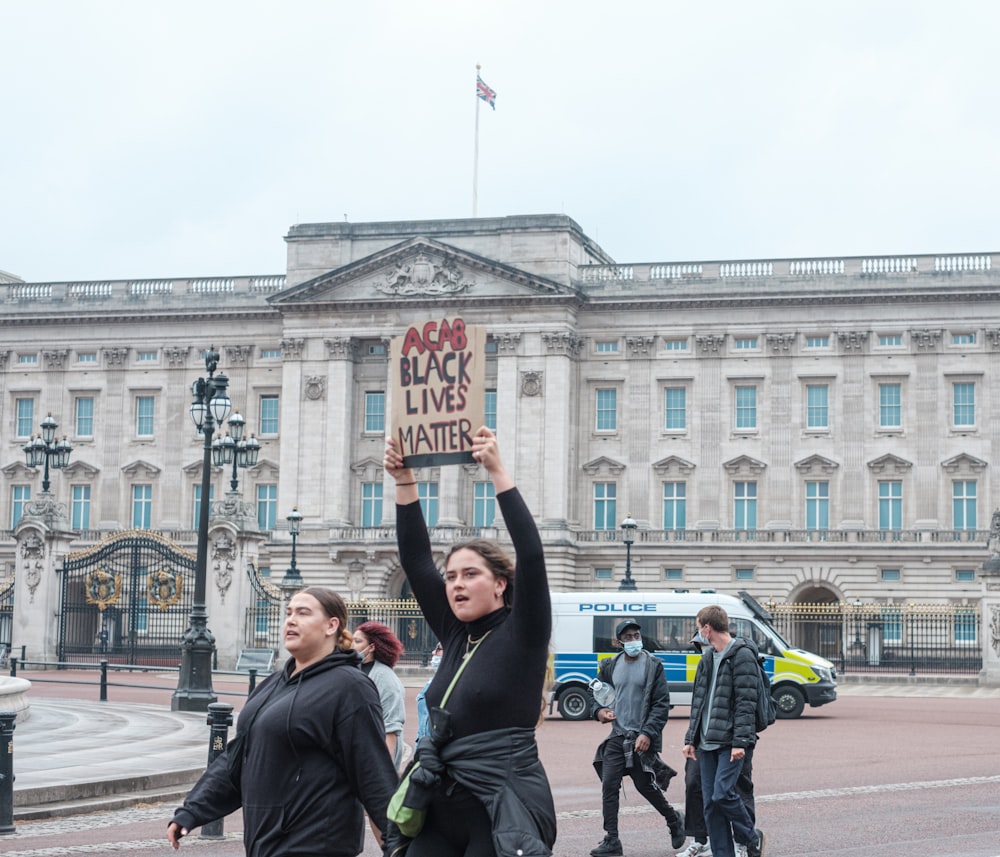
x: 475, y: 156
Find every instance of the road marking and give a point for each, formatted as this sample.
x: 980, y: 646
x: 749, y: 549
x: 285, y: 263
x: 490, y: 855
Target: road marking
x: 129, y: 816
x: 110, y: 847
x: 817, y: 794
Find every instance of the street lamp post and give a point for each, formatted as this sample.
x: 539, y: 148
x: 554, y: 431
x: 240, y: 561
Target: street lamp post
x: 45, y: 449
x: 628, y: 536
x: 209, y: 407
x: 234, y: 450
x: 292, y: 578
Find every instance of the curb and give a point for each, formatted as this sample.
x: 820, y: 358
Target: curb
x: 76, y: 798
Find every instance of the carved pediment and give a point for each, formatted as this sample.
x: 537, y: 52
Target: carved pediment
x: 964, y: 463
x: 603, y: 466
x: 673, y: 465
x: 193, y: 470
x: 889, y: 464
x: 264, y: 469
x: 815, y: 464
x: 744, y: 465
x: 140, y: 469
x: 419, y: 269
x: 81, y: 470
x: 368, y: 469
x: 18, y: 470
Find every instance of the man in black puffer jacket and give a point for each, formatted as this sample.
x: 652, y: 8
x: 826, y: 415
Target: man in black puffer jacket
x: 723, y: 706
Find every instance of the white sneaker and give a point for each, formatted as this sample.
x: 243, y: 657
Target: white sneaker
x: 696, y: 849
x: 741, y: 850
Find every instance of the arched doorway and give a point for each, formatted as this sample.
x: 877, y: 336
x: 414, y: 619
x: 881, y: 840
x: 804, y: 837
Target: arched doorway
x: 818, y: 621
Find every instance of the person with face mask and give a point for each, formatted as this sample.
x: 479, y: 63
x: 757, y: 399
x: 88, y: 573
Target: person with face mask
x: 637, y: 716
x: 423, y: 716
x: 380, y: 649
x: 694, y: 808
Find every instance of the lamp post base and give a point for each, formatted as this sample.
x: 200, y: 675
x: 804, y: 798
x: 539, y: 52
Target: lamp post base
x: 194, y: 683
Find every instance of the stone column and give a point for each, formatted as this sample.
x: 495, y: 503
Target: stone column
x: 853, y: 494
x: 231, y: 550
x: 42, y: 541
x: 336, y: 427
x: 990, y: 632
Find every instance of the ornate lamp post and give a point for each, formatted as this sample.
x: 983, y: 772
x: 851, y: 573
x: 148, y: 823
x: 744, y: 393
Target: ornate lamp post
x: 45, y: 449
x: 210, y: 406
x: 234, y: 450
x: 628, y: 536
x: 292, y: 578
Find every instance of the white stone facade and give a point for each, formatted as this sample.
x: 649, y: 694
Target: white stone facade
x: 821, y: 412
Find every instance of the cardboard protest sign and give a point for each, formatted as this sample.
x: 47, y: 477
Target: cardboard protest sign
x: 438, y: 391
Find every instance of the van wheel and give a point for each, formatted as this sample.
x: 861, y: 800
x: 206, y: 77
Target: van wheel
x: 574, y: 704
x: 789, y: 700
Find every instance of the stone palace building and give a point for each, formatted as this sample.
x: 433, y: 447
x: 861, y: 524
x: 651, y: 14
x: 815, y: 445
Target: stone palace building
x: 807, y: 430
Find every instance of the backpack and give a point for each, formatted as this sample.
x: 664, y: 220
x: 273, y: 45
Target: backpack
x: 766, y: 712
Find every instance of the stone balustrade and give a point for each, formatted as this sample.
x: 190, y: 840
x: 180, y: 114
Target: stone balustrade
x: 852, y: 266
x: 255, y: 288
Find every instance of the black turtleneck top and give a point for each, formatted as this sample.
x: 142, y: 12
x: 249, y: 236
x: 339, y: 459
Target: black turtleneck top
x: 503, y: 684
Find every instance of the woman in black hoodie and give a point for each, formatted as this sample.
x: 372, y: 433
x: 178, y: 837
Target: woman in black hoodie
x: 314, y: 753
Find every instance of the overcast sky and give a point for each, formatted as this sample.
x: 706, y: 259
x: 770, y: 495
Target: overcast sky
x: 153, y: 139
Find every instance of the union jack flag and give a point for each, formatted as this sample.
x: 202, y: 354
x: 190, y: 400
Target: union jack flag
x: 484, y: 92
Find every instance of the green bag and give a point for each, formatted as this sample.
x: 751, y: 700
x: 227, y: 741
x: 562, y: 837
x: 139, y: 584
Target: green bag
x: 408, y: 805
x: 408, y: 816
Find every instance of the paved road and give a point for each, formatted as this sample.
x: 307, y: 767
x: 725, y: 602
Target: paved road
x: 914, y: 772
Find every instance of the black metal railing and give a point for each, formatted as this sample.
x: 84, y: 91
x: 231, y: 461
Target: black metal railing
x: 908, y: 639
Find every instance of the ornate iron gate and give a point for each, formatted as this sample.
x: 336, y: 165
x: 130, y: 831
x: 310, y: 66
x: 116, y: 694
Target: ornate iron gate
x: 263, y: 622
x: 6, y: 618
x: 126, y: 600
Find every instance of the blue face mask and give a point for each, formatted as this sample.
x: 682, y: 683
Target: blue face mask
x: 632, y: 647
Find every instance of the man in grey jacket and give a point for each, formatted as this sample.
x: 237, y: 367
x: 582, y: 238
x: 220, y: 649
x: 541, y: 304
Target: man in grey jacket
x: 635, y: 700
x: 723, y: 717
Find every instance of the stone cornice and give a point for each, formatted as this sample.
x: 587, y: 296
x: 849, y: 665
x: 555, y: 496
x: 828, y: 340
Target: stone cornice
x: 710, y: 343
x: 341, y: 348
x: 291, y: 349
x: 853, y: 340
x: 781, y: 342
x: 238, y: 355
x: 563, y: 342
x: 639, y: 346
x: 926, y: 339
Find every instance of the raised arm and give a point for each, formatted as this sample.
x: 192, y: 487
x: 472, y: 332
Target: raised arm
x: 414, y: 543
x: 532, y: 613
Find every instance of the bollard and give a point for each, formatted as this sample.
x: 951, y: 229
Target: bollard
x: 253, y: 681
x: 13, y: 667
x: 104, y: 681
x: 220, y: 718
x: 7, y: 772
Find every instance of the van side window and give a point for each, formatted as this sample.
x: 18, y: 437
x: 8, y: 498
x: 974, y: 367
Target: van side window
x: 659, y: 633
x: 752, y: 631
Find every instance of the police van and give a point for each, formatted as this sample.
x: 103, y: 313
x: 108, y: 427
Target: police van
x: 583, y: 633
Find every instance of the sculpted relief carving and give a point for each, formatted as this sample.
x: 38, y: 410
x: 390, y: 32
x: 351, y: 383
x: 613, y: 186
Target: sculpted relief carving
x: 425, y: 275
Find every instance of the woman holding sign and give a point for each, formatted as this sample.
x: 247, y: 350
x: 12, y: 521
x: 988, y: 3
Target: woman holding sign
x: 495, y: 614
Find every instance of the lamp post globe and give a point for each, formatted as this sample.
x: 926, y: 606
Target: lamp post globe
x: 45, y: 450
x: 629, y: 527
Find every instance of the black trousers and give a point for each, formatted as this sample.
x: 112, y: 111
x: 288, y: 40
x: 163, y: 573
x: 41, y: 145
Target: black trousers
x: 457, y: 825
x: 611, y: 784
x: 694, y: 809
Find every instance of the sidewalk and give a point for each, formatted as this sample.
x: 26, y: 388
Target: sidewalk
x: 75, y: 754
